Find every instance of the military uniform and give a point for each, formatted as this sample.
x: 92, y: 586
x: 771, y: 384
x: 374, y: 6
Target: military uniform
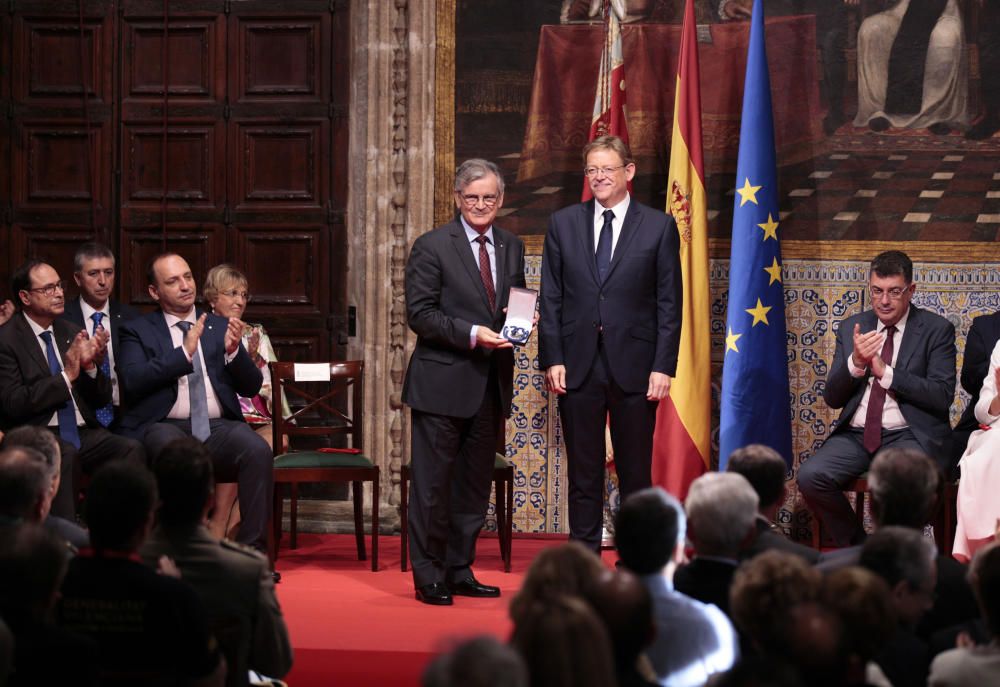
x: 237, y: 590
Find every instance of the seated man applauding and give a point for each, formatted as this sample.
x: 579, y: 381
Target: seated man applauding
x: 181, y: 371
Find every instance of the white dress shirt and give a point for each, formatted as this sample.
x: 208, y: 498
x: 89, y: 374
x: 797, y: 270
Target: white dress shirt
x: 182, y: 406
x: 88, y: 320
x: 892, y: 416
x: 38, y: 329
x: 616, y: 224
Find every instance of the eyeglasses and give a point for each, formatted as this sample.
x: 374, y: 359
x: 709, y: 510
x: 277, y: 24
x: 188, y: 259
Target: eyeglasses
x: 591, y: 172
x: 473, y: 200
x: 49, y: 289
x: 233, y: 293
x: 895, y: 293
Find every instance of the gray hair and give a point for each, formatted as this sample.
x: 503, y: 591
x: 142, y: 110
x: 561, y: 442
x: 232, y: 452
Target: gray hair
x: 39, y: 438
x: 24, y: 481
x: 91, y: 251
x: 721, y: 509
x: 904, y: 486
x: 899, y: 554
x: 474, y: 170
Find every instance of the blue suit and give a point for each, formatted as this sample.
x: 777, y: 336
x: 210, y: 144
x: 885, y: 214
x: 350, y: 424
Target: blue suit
x: 149, y: 366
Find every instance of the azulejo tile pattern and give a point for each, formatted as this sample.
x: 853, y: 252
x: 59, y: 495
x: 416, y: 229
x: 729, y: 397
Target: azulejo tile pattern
x: 818, y: 295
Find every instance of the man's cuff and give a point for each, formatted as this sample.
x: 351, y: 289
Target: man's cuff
x: 92, y: 372
x: 853, y: 369
x: 473, y: 332
x: 230, y: 357
x: 886, y: 381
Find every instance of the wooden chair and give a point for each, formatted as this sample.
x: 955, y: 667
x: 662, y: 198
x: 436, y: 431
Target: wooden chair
x: 503, y: 485
x: 944, y: 519
x: 327, y: 408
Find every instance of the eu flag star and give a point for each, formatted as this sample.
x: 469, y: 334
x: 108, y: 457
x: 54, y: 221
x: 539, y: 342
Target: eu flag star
x: 759, y: 313
x: 774, y: 270
x: 748, y: 192
x: 770, y: 228
x: 731, y: 340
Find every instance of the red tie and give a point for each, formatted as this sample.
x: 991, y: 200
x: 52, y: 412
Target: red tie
x: 876, y: 400
x: 486, y: 273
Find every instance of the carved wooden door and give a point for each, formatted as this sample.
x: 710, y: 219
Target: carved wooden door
x: 239, y: 159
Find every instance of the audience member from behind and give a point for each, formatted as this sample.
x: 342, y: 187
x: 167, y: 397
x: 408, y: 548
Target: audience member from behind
x: 721, y: 512
x: 477, y: 662
x: 625, y: 607
x: 969, y: 665
x: 151, y: 627
x: 45, y: 443
x: 764, y: 591
x: 862, y: 600
x: 765, y: 469
x: 816, y: 645
x: 693, y: 640
x: 564, y: 644
x: 571, y: 569
x: 905, y: 560
x: 233, y: 581
x: 25, y: 487
x: 32, y: 565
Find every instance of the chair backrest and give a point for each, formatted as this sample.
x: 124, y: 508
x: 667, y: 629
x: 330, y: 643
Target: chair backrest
x: 326, y: 400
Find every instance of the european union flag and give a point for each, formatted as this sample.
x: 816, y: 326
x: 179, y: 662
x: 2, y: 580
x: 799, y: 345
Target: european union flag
x: 755, y: 398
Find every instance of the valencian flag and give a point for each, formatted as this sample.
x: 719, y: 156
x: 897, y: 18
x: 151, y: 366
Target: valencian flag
x: 609, y: 99
x: 682, y: 441
x: 755, y: 399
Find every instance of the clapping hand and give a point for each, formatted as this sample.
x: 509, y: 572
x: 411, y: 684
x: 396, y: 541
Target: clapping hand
x: 193, y: 335
x: 6, y: 311
x: 234, y: 333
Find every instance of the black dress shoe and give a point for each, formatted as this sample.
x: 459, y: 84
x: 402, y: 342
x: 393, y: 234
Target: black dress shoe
x: 939, y: 129
x: 984, y: 129
x: 276, y: 576
x: 470, y: 586
x: 435, y: 594
x: 878, y: 124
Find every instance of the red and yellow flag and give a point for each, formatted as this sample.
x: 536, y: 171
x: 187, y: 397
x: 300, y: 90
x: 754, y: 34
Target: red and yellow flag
x: 609, y: 99
x: 682, y: 441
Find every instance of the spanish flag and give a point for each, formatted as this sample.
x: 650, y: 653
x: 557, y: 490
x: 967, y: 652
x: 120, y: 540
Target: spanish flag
x: 682, y: 441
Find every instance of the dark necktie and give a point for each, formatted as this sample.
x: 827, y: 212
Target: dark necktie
x: 66, y: 413
x: 603, y: 255
x: 107, y: 413
x: 876, y: 400
x: 486, y: 273
x: 200, y: 428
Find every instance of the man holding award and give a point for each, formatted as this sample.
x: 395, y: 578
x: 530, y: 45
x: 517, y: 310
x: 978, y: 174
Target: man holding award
x: 459, y: 381
x: 610, y: 329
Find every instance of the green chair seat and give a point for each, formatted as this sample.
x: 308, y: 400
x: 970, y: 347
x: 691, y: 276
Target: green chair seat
x: 317, y: 459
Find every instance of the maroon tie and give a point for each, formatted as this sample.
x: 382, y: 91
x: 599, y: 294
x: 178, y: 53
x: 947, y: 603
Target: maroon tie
x: 876, y: 400
x: 486, y: 273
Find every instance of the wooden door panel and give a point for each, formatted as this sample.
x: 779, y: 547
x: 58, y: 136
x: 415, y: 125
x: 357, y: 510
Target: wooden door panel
x: 196, y: 66
x: 280, y: 58
x: 55, y: 161
x: 280, y: 165
x: 283, y: 266
x: 53, y: 243
x: 296, y: 344
x: 196, y: 164
x: 202, y: 245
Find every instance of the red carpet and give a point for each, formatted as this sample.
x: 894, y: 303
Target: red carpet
x: 350, y: 626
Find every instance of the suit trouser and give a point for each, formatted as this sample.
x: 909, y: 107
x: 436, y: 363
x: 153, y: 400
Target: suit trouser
x: 451, y: 470
x: 840, y: 460
x: 238, y: 454
x: 585, y: 411
x: 97, y: 447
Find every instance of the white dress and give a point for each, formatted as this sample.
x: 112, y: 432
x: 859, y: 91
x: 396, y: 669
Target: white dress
x: 979, y: 487
x: 946, y: 73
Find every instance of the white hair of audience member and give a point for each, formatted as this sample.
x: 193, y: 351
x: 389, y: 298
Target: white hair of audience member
x: 721, y: 510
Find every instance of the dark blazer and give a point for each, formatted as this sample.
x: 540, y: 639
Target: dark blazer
x: 149, y: 366
x: 769, y: 537
x: 706, y: 580
x: 637, y: 310
x: 29, y: 392
x: 120, y: 313
x: 979, y: 343
x: 923, y: 381
x: 445, y: 296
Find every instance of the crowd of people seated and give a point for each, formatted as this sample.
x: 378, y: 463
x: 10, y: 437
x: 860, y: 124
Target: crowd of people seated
x: 713, y: 593
x: 115, y: 428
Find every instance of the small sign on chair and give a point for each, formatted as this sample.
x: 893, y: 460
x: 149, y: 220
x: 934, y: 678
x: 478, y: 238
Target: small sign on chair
x: 312, y: 372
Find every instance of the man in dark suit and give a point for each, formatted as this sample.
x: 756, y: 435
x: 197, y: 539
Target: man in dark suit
x: 182, y: 371
x: 459, y: 381
x: 979, y: 343
x: 94, y: 274
x: 49, y: 377
x: 893, y: 374
x: 610, y: 329
x: 765, y: 469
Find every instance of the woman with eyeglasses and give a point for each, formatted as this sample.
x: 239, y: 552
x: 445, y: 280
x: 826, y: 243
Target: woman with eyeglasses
x: 226, y: 292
